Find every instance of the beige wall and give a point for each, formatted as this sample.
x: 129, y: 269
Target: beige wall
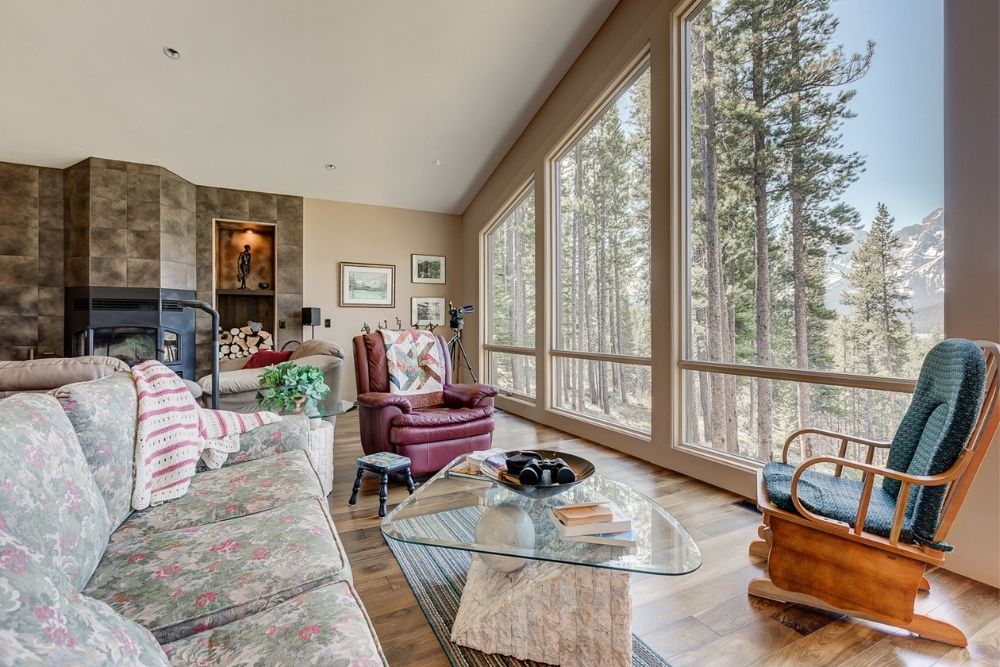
x: 636, y: 23
x: 972, y: 242
x: 335, y: 232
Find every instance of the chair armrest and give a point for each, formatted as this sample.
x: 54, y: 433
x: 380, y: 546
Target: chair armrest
x: 469, y: 395
x: 377, y: 400
x: 872, y: 445
x: 870, y: 473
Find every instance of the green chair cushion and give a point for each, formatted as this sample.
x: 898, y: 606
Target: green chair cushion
x: 937, y: 425
x: 834, y: 498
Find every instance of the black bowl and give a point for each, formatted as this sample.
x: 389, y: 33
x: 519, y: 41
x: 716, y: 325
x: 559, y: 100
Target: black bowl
x: 583, y: 469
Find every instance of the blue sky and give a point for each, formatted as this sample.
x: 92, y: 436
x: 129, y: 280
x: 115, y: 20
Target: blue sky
x: 899, y: 105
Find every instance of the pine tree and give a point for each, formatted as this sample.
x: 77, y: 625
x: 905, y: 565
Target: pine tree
x: 818, y: 173
x: 879, y: 297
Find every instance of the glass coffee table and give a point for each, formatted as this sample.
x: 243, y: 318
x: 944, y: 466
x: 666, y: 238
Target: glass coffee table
x: 530, y: 593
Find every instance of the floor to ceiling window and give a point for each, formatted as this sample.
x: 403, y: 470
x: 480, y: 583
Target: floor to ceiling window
x: 601, y: 366
x: 814, y: 227
x: 510, y: 302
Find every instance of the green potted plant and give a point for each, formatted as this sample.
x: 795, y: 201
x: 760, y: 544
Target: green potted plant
x: 288, y: 387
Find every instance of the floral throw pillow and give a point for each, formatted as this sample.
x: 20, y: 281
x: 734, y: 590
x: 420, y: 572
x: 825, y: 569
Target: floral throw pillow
x: 43, y: 621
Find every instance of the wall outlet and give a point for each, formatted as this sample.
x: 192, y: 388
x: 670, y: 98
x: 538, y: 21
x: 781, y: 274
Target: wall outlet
x: 326, y: 323
x: 281, y: 324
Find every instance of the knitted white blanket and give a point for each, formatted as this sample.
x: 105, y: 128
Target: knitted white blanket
x: 173, y: 432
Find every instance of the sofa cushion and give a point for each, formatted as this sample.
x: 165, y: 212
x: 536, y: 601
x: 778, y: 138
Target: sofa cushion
x: 291, y: 433
x: 228, y: 493
x: 316, y: 347
x: 44, y: 621
x: 48, y: 497
x: 835, y: 498
x: 103, y: 414
x: 184, y: 581
x: 234, y: 382
x: 48, y: 374
x: 325, y: 626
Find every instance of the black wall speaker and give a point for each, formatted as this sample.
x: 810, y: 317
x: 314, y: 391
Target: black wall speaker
x: 311, y: 317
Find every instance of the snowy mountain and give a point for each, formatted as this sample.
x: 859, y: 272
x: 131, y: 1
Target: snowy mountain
x: 923, y: 265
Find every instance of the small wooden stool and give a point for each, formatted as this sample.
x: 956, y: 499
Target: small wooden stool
x: 382, y: 464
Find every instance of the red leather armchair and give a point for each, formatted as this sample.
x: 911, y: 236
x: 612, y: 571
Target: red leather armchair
x: 429, y: 429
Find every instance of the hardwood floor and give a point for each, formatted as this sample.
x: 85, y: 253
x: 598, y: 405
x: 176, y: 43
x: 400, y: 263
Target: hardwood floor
x: 703, y: 618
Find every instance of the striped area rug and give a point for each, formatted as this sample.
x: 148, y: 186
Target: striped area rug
x: 437, y: 577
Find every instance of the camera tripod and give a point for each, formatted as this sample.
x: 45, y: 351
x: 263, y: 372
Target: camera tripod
x: 457, y: 353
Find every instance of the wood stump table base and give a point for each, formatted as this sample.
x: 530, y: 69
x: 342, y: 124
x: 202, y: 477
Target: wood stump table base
x: 555, y: 613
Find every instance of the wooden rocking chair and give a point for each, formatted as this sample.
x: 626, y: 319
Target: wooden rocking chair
x: 860, y: 549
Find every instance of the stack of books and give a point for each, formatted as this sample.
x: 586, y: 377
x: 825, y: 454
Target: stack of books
x: 599, y: 523
x: 471, y: 466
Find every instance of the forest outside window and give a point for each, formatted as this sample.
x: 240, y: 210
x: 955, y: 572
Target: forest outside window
x: 602, y: 367
x: 510, y: 302
x: 813, y: 225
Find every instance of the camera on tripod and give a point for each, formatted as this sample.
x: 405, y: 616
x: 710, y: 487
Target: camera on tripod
x: 457, y: 321
x: 455, y: 349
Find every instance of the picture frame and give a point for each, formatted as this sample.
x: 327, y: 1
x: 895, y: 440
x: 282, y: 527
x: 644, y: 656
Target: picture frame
x: 367, y: 285
x: 426, y: 310
x: 428, y: 269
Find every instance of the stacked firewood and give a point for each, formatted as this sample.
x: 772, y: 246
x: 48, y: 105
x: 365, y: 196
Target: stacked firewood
x: 242, y: 342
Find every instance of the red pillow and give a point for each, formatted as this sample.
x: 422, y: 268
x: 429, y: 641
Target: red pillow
x: 267, y: 358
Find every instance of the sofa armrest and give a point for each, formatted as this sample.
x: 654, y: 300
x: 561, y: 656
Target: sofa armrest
x: 377, y: 400
x: 289, y: 434
x: 469, y: 395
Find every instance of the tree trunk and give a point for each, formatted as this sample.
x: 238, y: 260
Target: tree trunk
x: 693, y: 433
x: 713, y: 254
x: 706, y: 406
x: 729, y: 381
x: 762, y: 288
x: 800, y: 297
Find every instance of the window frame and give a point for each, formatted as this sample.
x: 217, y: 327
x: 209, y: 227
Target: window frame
x: 488, y: 348
x: 639, y: 64
x: 680, y: 192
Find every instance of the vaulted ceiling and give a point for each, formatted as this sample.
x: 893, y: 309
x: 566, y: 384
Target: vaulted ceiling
x: 265, y: 94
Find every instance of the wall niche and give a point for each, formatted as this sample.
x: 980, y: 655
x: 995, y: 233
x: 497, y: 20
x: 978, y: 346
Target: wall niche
x: 245, y: 273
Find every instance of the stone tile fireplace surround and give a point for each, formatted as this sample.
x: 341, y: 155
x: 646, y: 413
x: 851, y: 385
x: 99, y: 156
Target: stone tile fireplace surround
x: 110, y: 223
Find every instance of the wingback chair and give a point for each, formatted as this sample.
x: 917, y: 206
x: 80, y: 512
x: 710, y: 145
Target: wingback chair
x: 859, y: 548
x: 429, y: 429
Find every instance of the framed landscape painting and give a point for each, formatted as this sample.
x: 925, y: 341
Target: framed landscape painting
x: 428, y: 269
x: 426, y: 310
x: 367, y: 285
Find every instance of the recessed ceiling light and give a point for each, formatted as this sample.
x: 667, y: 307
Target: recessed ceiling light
x: 437, y: 163
x: 171, y: 53
x: 330, y: 167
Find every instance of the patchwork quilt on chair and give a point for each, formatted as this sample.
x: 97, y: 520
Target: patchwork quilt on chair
x: 415, y: 361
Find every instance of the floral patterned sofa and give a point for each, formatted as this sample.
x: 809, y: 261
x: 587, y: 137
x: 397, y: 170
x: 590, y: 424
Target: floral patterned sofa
x: 247, y: 568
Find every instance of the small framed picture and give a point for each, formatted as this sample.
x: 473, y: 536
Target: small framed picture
x: 428, y: 269
x: 426, y: 310
x: 367, y: 285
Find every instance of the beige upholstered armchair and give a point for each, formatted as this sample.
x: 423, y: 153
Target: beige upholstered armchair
x: 238, y: 386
